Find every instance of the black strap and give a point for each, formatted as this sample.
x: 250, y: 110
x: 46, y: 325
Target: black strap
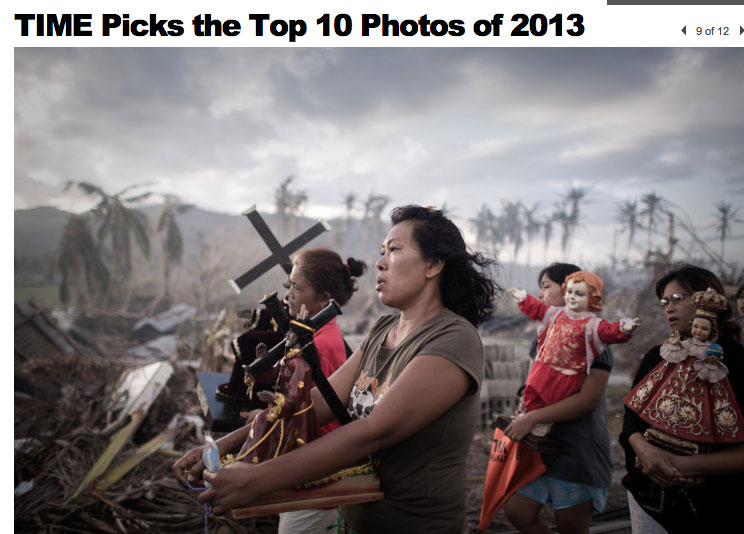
x: 321, y: 382
x: 348, y: 350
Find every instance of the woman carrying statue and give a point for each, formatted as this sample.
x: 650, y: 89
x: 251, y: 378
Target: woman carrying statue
x: 317, y: 276
x: 682, y: 430
x: 578, y: 476
x: 411, y: 388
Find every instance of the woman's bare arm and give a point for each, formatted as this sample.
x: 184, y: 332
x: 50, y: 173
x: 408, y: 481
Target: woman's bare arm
x: 726, y: 462
x: 656, y: 463
x: 427, y: 388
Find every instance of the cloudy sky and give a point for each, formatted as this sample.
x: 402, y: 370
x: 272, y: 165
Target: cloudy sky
x: 221, y: 127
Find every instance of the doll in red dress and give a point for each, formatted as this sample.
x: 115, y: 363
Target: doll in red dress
x: 569, y: 338
x: 687, y: 396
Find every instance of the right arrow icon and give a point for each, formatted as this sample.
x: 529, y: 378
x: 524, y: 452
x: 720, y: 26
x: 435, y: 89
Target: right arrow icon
x: 741, y: 30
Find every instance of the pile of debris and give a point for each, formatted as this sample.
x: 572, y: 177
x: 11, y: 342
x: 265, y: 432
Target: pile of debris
x: 96, y: 436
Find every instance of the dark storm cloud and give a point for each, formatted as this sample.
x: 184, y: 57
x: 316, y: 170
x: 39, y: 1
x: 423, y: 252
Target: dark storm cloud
x: 145, y: 108
x: 365, y: 81
x: 593, y: 73
x: 467, y: 125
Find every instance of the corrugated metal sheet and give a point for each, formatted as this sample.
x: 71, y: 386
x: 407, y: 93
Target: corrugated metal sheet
x: 37, y: 335
x: 168, y: 320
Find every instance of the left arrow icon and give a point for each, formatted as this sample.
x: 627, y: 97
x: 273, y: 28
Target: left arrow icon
x: 684, y: 30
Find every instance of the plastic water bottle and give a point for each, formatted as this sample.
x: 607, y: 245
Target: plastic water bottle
x: 211, y: 456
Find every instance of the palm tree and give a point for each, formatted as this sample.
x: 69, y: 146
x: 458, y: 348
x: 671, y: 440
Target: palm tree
x: 171, y: 239
x: 282, y: 201
x: 563, y: 217
x: 725, y: 216
x: 373, y: 208
x: 484, y: 222
x: 531, y: 228
x: 628, y: 218
x: 547, y: 226
x: 575, y: 195
x: 573, y: 199
x: 512, y: 223
x: 118, y: 223
x: 653, y: 206
x: 497, y: 235
x: 295, y: 209
x: 288, y: 203
x: 349, y: 200
x: 80, y: 263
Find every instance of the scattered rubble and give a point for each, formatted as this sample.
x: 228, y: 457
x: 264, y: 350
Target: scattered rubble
x: 162, y: 347
x: 163, y: 323
x: 65, y: 423
x: 96, y: 434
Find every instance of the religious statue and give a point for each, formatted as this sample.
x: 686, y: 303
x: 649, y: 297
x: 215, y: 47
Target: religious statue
x: 687, y: 398
x: 289, y: 421
x: 569, y: 338
x: 259, y: 330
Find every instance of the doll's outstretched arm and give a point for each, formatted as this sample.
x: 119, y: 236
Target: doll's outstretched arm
x: 629, y: 325
x: 517, y: 294
x: 529, y: 305
x: 618, y: 331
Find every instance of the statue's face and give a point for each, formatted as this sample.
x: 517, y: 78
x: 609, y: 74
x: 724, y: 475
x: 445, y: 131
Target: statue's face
x: 577, y: 296
x: 701, y: 329
x: 291, y: 338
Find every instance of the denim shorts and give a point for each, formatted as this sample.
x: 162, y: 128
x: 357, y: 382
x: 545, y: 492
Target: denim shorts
x: 563, y: 494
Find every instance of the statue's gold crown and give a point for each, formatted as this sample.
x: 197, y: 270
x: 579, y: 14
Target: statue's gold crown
x: 709, y: 302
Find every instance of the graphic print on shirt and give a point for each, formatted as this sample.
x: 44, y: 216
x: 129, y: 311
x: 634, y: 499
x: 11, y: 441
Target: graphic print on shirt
x: 365, y: 394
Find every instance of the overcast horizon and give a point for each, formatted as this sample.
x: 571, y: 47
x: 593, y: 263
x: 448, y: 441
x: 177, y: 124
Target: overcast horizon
x: 221, y: 127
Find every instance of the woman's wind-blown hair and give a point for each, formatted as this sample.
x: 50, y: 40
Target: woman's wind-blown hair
x: 468, y: 287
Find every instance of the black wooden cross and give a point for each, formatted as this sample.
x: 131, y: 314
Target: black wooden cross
x: 279, y: 255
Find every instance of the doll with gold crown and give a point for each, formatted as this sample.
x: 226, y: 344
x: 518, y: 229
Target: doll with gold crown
x: 687, y: 399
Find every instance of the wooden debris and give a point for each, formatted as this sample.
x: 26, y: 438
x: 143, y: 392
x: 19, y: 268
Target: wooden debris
x: 137, y: 390
x: 140, y: 454
x: 120, y: 439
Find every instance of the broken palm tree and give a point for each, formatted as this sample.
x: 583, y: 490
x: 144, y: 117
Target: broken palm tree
x: 137, y: 391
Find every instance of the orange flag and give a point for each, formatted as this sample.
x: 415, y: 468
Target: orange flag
x: 512, y: 465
